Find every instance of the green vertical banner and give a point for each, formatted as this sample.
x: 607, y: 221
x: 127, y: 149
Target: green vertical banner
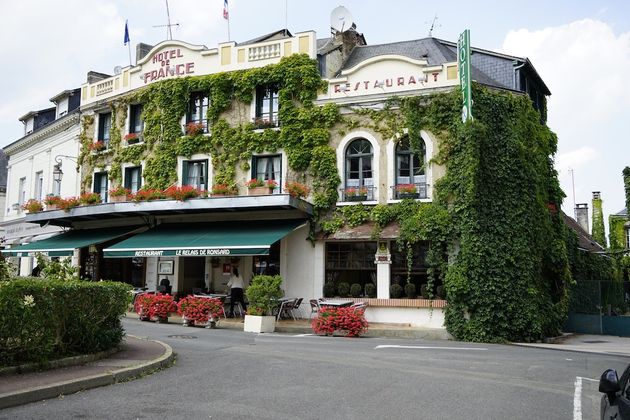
x: 463, y: 65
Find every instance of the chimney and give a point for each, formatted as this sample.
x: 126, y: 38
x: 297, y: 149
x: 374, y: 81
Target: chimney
x: 94, y: 76
x: 348, y: 40
x: 142, y: 50
x: 598, y: 233
x: 581, y: 215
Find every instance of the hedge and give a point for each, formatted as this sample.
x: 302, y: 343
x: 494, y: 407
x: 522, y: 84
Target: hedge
x: 44, y: 319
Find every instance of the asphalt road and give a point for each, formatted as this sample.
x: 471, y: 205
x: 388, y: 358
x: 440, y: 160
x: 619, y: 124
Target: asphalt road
x: 228, y: 374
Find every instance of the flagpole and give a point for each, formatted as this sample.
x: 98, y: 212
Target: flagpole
x: 129, y: 44
x: 228, y: 19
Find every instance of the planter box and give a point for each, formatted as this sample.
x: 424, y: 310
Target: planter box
x: 117, y: 198
x: 259, y: 324
x: 50, y: 207
x: 357, y: 198
x: 259, y: 191
x: 403, y: 195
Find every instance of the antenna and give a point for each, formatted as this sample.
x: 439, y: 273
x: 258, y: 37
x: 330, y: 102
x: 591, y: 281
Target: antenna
x: 341, y: 19
x: 169, y: 32
x: 434, y: 24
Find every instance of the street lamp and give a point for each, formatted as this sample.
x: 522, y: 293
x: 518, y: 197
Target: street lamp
x: 58, y: 172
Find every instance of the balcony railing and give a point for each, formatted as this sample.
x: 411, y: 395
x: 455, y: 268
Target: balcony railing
x: 365, y: 193
x: 414, y: 191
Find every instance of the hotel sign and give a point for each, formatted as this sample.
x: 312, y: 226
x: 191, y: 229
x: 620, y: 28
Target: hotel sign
x: 171, y: 62
x: 463, y: 62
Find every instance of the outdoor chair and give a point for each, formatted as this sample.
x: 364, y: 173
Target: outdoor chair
x: 296, y: 308
x: 286, y: 309
x: 237, y: 307
x: 359, y: 306
x: 314, y: 307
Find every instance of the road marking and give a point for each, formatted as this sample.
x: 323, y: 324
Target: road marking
x: 577, y: 399
x: 427, y: 347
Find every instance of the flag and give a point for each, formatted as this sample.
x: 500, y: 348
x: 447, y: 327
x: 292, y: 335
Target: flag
x: 127, y: 33
x: 226, y: 15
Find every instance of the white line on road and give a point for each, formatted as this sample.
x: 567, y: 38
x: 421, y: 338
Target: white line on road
x: 577, y: 399
x: 427, y: 347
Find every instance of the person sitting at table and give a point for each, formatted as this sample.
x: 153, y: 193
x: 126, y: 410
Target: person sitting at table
x: 236, y: 286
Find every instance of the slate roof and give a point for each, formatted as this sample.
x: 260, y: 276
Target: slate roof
x: 623, y: 213
x: 283, y: 33
x: 585, y: 241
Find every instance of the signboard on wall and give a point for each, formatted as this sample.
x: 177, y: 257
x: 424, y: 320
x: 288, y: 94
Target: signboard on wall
x: 463, y: 63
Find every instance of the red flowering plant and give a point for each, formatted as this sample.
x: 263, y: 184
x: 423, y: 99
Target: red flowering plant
x: 33, y: 206
x: 147, y: 195
x: 406, y: 188
x: 356, y: 191
x: 350, y: 320
x: 223, y: 189
x: 181, y: 193
x: 194, y: 128
x: 52, y: 200
x: 119, y: 191
x: 200, y: 310
x: 271, y: 184
x: 162, y: 306
x: 296, y: 189
x: 97, y: 146
x: 66, y: 204
x: 89, y: 198
x: 132, y: 138
x: 255, y: 183
x: 143, y: 304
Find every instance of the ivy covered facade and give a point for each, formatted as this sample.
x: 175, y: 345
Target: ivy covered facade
x: 433, y: 221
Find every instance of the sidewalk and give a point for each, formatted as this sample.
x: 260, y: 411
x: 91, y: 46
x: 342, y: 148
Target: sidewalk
x: 140, y: 356
x: 136, y: 357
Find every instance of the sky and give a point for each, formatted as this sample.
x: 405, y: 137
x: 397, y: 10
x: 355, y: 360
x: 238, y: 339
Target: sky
x: 581, y: 50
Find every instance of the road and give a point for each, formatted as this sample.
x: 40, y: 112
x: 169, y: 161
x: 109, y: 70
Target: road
x: 228, y: 374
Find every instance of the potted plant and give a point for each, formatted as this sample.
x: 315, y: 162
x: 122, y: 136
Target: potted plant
x: 220, y: 190
x: 33, y: 206
x: 132, y: 138
x: 97, y: 146
x: 194, y: 129
x: 147, y: 195
x: 262, y: 294
x: 162, y: 307
x: 356, y: 193
x: 406, y: 191
x: 260, y: 187
x: 66, y: 204
x: 142, y: 306
x: 89, y: 198
x: 182, y: 193
x: 201, y: 311
x: 261, y: 123
x: 52, y: 202
x: 351, y: 321
x: 296, y: 189
x: 119, y: 194
x: 410, y: 290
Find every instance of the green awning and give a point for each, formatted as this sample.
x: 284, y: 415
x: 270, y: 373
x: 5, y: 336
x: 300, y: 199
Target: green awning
x: 205, y: 239
x: 64, y: 244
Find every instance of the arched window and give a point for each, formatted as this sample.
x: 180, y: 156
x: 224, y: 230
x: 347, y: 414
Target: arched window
x: 359, y: 180
x: 411, y: 181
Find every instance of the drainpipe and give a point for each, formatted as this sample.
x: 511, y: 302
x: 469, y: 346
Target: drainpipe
x: 515, y: 71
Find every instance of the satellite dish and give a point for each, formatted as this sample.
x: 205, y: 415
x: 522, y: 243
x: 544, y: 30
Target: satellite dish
x: 117, y: 70
x: 341, y: 19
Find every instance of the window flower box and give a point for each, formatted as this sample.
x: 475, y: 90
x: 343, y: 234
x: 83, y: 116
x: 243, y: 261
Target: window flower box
x: 89, y: 198
x: 132, y: 138
x: 222, y: 190
x: 97, y: 146
x: 260, y: 187
x: 295, y: 189
x: 52, y: 202
x: 356, y: 194
x: 33, y: 206
x: 262, y: 123
x: 194, y: 129
x: 406, y: 191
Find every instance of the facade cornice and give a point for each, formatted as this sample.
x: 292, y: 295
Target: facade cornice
x: 51, y: 129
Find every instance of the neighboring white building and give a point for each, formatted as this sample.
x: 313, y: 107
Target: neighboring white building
x: 51, y: 137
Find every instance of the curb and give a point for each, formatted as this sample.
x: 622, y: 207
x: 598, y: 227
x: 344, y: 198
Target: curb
x: 33, y: 394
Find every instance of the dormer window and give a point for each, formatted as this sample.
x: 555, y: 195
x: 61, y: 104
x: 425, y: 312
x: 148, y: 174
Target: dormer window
x: 266, y: 106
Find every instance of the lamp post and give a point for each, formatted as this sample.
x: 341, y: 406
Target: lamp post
x: 58, y: 172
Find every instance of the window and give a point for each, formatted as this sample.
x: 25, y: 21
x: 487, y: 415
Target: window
x: 39, y: 185
x: 22, y: 191
x: 627, y: 238
x: 268, y: 167
x: 100, y: 185
x: 358, y: 173
x: 136, y: 124
x: 198, y: 110
x: 350, y: 262
x: 133, y: 178
x: 104, y: 127
x: 195, y: 173
x: 266, y: 106
x: 410, y: 176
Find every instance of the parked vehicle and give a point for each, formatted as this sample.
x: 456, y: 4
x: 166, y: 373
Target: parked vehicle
x: 616, y: 399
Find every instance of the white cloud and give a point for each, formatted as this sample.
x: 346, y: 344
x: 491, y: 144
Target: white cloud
x: 575, y: 159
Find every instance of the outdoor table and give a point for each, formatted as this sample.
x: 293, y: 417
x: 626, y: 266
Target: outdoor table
x: 336, y: 303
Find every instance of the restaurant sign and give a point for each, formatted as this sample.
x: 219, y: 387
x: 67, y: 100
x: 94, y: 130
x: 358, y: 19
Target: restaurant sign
x: 184, y: 252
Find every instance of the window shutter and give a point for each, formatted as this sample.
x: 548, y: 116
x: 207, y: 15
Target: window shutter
x: 205, y: 174
x: 185, y: 172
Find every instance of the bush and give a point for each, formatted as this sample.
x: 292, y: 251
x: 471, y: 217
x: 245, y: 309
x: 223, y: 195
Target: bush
x: 343, y: 289
x: 350, y: 320
x: 370, y: 290
x: 410, y: 290
x: 263, y: 292
x: 440, y: 292
x: 200, y: 309
x: 329, y: 289
x: 355, y: 290
x: 395, y: 291
x: 424, y: 291
x: 43, y: 319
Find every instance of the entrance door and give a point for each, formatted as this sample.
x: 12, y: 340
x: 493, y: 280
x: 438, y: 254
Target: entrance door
x: 194, y: 274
